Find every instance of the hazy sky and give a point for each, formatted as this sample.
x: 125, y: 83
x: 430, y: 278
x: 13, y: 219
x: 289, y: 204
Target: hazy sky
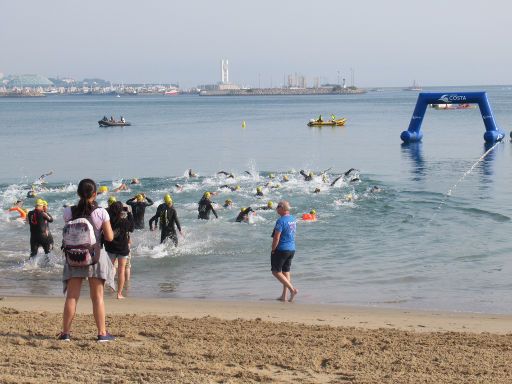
x: 387, y: 43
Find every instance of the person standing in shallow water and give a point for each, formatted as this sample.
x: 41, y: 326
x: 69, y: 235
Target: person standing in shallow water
x: 40, y: 235
x: 205, y: 207
x: 283, y: 249
x: 168, y: 217
x: 139, y: 204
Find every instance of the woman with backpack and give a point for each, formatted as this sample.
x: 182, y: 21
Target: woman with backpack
x: 119, y: 248
x: 84, y: 224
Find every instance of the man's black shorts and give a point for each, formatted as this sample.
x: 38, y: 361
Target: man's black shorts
x: 281, y: 261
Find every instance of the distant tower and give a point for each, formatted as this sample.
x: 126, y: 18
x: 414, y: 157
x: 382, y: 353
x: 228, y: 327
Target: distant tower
x: 224, y: 71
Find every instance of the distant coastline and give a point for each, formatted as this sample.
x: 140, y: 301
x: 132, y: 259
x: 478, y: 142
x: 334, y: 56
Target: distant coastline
x: 283, y: 91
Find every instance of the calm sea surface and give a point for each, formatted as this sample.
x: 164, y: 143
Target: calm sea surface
x: 435, y: 237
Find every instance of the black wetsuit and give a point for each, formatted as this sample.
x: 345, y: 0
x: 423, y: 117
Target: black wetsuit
x: 121, y: 227
x: 243, y: 214
x: 230, y: 187
x: 138, y: 210
x: 306, y: 176
x: 204, y: 209
x: 168, y: 223
x: 40, y: 235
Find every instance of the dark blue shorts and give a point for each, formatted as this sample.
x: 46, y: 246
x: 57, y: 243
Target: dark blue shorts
x: 281, y: 261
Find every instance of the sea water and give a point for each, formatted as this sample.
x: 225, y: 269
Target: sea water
x: 430, y: 239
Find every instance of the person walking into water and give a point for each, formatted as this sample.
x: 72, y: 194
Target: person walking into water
x: 119, y: 248
x: 168, y: 221
x: 139, y: 204
x: 283, y: 249
x: 205, y: 207
x: 40, y: 236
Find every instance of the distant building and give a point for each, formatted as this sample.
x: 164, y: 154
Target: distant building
x: 32, y: 81
x: 224, y: 71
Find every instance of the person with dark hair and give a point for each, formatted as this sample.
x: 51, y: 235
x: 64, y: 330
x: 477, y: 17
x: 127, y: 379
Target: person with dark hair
x: 119, y: 248
x: 97, y: 274
x: 139, y: 204
x: 168, y: 221
x: 283, y: 249
x: 40, y: 236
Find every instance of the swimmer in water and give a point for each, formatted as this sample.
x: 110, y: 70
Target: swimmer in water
x: 228, y: 175
x: 231, y: 187
x: 135, y: 181
x: 375, y: 189
x: 18, y: 207
x: 351, y: 170
x: 272, y: 186
x: 317, y: 190
x: 285, y: 179
x: 102, y: 189
x: 244, y: 215
x: 122, y: 187
x: 31, y: 194
x: 228, y: 203
x: 205, y: 207
x: 259, y: 191
x: 41, y: 179
x: 269, y: 206
x: 191, y: 173
x: 308, y: 176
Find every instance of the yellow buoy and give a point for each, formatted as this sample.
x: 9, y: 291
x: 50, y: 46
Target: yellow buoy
x: 243, y: 124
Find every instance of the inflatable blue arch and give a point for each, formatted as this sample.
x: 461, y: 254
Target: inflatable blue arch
x: 492, y: 132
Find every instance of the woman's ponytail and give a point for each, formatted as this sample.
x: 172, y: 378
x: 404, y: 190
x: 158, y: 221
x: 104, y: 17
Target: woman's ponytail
x: 86, y: 190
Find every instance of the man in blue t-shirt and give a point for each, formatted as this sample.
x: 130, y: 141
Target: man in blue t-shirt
x: 283, y: 249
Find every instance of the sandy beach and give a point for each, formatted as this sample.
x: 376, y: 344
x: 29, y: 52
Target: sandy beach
x: 194, y: 341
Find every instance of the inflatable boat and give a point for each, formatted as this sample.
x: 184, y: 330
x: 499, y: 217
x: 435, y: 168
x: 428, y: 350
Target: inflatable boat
x: 338, y: 123
x: 108, y: 123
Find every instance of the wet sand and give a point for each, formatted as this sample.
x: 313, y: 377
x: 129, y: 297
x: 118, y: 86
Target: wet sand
x: 195, y: 341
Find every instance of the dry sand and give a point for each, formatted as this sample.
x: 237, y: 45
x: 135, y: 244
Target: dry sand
x: 179, y: 341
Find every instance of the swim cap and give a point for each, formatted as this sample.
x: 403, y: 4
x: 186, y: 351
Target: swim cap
x: 313, y: 212
x: 111, y: 200
x: 139, y: 197
x: 228, y: 201
x: 168, y: 199
x: 237, y: 188
x: 310, y: 173
x: 271, y: 175
x: 285, y: 178
x: 39, y: 202
x: 45, y: 203
x: 270, y: 204
x: 242, y: 209
x: 103, y: 189
x: 207, y: 195
x: 258, y: 189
